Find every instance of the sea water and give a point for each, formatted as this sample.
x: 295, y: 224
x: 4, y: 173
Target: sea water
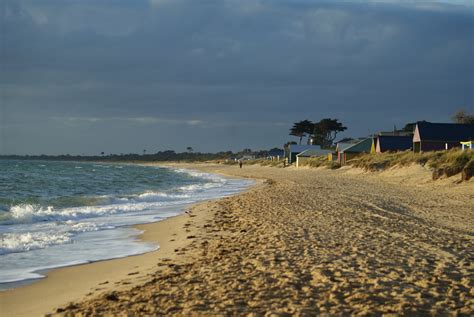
x: 55, y: 214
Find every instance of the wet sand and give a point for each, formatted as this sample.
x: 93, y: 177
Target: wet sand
x: 312, y: 241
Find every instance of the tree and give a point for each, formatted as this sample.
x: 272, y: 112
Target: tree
x: 326, y: 130
x: 302, y: 128
x: 144, y: 152
x: 410, y: 127
x: 190, y: 149
x: 461, y: 116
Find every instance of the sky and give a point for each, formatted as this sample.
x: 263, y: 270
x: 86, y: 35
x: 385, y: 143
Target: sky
x: 121, y: 76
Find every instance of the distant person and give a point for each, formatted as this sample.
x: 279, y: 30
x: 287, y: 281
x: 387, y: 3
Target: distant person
x: 240, y: 164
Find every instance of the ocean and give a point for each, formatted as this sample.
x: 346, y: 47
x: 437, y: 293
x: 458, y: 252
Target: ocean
x: 55, y: 214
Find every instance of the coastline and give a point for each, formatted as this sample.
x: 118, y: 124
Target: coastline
x: 317, y: 242
x: 310, y: 241
x: 71, y: 283
x: 63, y: 285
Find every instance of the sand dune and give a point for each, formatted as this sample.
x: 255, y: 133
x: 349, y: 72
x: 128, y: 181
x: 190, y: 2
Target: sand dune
x: 312, y: 242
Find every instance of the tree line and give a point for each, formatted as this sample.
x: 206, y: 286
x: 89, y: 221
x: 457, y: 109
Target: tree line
x: 321, y: 133
x: 161, y: 156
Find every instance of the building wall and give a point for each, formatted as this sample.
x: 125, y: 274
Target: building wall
x: 349, y: 156
x: 378, y: 149
x: 292, y: 157
x: 416, y: 147
x: 346, y: 156
x: 300, y: 160
x: 374, y: 147
x: 426, y: 146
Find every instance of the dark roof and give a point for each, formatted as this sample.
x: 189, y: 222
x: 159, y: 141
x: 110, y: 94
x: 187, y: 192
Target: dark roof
x: 313, y: 153
x: 341, y: 146
x: 453, y: 132
x: 361, y: 147
x: 296, y: 148
x: 395, y: 142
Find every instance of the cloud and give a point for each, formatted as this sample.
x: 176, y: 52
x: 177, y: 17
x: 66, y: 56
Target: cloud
x: 431, y: 5
x: 158, y: 3
x: 227, y: 70
x: 138, y: 120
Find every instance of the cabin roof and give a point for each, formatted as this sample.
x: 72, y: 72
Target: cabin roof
x: 363, y: 146
x: 453, y: 132
x: 341, y: 146
x: 391, y: 142
x: 296, y: 148
x: 313, y: 152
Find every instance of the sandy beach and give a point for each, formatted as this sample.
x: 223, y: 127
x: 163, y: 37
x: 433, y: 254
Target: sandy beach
x: 78, y: 282
x: 306, y: 242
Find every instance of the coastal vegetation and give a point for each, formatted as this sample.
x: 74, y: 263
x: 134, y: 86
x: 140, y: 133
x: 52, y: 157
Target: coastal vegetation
x: 161, y: 156
x: 321, y: 161
x: 442, y: 163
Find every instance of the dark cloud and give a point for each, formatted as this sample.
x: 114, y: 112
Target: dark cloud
x: 119, y: 76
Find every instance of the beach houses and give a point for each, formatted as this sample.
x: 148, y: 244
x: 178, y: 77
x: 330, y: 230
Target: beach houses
x: 347, y: 153
x: 391, y: 143
x: 307, y: 154
x: 295, y: 149
x: 441, y: 136
x: 340, y: 147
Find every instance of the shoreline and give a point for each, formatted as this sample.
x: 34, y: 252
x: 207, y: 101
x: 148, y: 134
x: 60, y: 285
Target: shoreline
x: 70, y: 283
x: 66, y: 284
x: 309, y: 242
x: 317, y: 242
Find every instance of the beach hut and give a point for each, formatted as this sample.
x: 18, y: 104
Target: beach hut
x: 392, y: 143
x: 373, y: 148
x: 340, y: 147
x: 440, y: 136
x: 307, y: 154
x: 295, y: 149
x: 354, y: 150
x: 467, y: 145
x: 332, y: 156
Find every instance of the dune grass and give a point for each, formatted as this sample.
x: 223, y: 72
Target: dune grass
x: 321, y: 161
x: 447, y: 163
x: 442, y: 163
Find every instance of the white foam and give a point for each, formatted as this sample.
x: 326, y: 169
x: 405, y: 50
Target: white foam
x: 44, y: 237
x: 52, y: 234
x: 20, y: 242
x: 201, y: 175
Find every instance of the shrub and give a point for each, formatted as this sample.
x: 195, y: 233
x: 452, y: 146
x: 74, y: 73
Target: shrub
x: 446, y: 163
x: 321, y: 161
